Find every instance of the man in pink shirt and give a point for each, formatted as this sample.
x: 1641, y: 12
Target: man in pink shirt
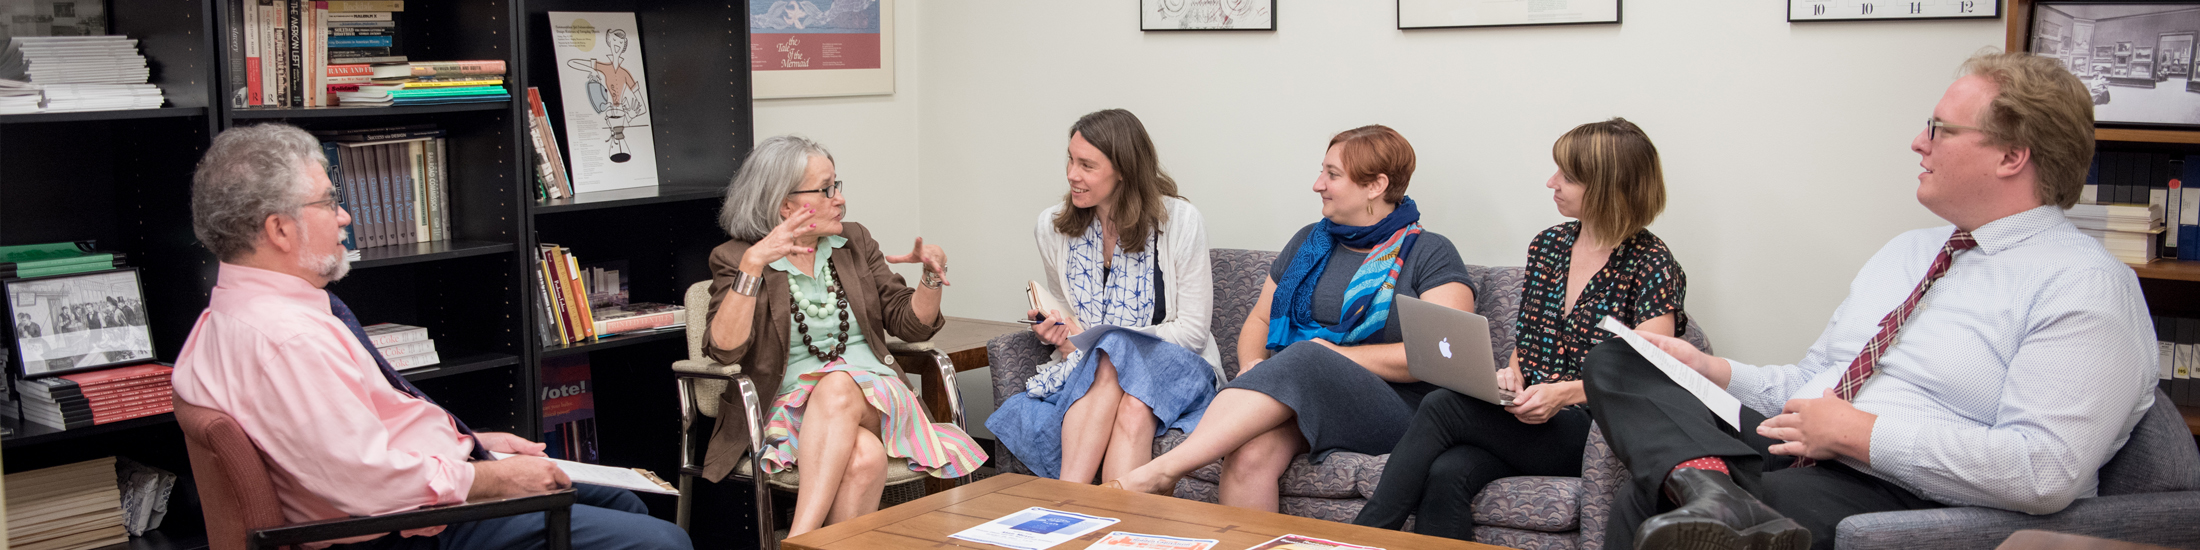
x: 344, y: 433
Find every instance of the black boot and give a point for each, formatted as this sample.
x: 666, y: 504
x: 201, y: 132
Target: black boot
x: 1716, y: 514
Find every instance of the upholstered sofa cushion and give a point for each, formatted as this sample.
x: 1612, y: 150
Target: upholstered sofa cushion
x: 1536, y: 503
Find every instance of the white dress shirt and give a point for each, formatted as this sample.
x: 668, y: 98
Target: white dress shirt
x: 2023, y: 370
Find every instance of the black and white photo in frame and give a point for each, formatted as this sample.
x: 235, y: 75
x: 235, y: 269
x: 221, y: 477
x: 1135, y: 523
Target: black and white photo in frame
x: 1206, y: 15
x: 67, y: 323
x: 2136, y: 59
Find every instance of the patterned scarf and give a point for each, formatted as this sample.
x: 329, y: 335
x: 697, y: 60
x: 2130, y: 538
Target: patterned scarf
x: 1122, y: 296
x: 1366, y: 300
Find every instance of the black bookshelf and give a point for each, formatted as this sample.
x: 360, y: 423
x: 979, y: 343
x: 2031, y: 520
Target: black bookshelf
x: 85, y: 116
x: 363, y: 111
x: 631, y: 197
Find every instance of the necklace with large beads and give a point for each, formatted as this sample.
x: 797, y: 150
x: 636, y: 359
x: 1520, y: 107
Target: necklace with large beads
x: 834, y: 303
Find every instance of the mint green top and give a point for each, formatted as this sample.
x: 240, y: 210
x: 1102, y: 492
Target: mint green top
x: 822, y: 328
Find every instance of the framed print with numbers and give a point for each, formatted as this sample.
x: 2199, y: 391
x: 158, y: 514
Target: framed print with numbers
x: 1876, y: 10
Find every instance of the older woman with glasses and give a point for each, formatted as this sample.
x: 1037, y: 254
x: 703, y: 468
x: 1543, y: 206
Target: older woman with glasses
x: 804, y: 301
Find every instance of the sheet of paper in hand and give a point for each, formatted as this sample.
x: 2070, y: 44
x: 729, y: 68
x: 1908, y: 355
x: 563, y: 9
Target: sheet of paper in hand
x: 1721, y: 403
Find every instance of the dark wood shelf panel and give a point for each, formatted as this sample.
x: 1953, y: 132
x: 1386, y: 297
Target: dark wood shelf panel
x: 126, y: 114
x: 2192, y: 417
x: 337, y: 112
x: 461, y: 364
x: 400, y: 254
x: 30, y: 433
x: 631, y: 197
x: 609, y: 342
x: 2148, y: 136
x: 2169, y: 270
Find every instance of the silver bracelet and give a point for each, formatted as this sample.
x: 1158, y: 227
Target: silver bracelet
x: 931, y: 280
x: 745, y: 284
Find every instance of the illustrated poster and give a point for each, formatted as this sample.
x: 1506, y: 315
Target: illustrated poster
x: 606, y: 100
x: 807, y: 48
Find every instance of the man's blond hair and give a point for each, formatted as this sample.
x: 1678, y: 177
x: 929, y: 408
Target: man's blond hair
x: 2041, y: 107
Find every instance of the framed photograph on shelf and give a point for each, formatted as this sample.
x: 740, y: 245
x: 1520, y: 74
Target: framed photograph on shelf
x: 2142, y: 58
x: 77, y: 322
x: 1878, y: 10
x: 1207, y: 15
x: 797, y: 49
x: 1446, y: 14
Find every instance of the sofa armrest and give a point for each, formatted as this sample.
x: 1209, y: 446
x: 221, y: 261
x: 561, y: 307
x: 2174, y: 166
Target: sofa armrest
x: 2152, y: 518
x: 559, y: 505
x: 1015, y: 357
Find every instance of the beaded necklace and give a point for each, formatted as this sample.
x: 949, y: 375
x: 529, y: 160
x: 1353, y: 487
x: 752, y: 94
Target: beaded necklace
x: 835, y: 302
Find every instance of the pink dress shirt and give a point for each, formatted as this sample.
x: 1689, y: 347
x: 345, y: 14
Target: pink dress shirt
x: 341, y: 440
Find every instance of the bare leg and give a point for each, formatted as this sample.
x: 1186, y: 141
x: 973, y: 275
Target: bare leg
x: 1086, y: 428
x: 1131, y: 445
x: 865, y: 480
x: 1235, y: 418
x: 832, y: 419
x: 1249, y: 476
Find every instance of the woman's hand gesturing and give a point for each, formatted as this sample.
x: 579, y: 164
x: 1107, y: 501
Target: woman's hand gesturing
x: 933, y: 258
x: 780, y: 242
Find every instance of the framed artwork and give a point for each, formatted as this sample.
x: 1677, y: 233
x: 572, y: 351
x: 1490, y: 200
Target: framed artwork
x: 1447, y: 14
x: 798, y: 49
x: 1876, y: 10
x: 1206, y: 15
x: 2173, y: 56
x: 2104, y: 53
x: 76, y: 322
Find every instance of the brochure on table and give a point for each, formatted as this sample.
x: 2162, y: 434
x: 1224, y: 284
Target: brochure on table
x: 1119, y: 540
x: 605, y: 97
x: 1035, y: 529
x: 1303, y: 542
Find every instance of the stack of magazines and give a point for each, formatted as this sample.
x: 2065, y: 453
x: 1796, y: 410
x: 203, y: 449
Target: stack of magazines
x: 81, y: 73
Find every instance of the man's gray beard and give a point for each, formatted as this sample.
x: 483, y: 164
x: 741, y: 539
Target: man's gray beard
x: 334, y: 266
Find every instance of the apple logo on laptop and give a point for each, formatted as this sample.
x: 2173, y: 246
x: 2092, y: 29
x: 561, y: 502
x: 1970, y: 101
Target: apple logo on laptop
x: 1444, y: 347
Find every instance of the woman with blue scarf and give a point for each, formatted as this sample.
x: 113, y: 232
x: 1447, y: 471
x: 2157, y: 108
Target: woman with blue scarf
x: 1322, y: 368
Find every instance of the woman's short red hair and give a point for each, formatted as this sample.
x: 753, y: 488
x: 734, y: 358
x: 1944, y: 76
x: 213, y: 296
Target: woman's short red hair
x: 1376, y: 150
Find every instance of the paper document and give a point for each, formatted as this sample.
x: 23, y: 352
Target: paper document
x: 1303, y: 542
x: 631, y: 479
x: 1119, y: 540
x: 1714, y: 397
x: 1034, y: 529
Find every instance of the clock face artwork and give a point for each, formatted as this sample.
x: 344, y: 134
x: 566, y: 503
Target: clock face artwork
x: 1851, y: 10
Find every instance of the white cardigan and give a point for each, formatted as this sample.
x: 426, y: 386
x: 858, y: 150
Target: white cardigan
x: 1187, y: 277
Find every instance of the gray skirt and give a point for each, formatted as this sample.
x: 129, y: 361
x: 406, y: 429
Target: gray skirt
x: 1340, y: 405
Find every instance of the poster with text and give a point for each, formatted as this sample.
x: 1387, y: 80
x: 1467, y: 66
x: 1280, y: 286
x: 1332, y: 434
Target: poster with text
x: 812, y: 48
x: 606, y: 100
x: 1434, y: 14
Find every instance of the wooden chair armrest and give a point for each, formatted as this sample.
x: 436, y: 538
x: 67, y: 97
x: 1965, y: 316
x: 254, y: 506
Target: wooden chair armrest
x: 559, y: 504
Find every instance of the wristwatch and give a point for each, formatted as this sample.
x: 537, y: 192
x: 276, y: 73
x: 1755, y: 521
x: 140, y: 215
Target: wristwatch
x: 745, y: 284
x: 931, y: 280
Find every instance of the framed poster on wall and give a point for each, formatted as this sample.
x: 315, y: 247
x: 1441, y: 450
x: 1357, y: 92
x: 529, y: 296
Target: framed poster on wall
x: 1446, y: 14
x: 799, y: 49
x: 1206, y: 15
x: 2142, y: 58
x: 1875, y: 10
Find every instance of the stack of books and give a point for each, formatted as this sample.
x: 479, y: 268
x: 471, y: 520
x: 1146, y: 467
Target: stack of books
x: 551, y: 179
x: 2127, y: 230
x: 404, y: 346
x: 71, y: 401
x: 72, y: 507
x: 42, y: 260
x: 428, y: 83
x: 283, y: 50
x: 80, y: 73
x: 18, y: 97
x: 394, y: 180
x: 567, y: 318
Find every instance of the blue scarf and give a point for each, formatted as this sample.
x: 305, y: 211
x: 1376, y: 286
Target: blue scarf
x: 1366, y: 300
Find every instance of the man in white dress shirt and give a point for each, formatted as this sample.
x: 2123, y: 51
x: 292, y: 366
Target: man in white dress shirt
x: 1996, y: 362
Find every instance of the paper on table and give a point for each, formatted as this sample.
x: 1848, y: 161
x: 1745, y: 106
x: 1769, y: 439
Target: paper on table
x: 1721, y: 403
x: 1303, y: 542
x: 631, y: 479
x: 1119, y: 540
x: 1034, y: 528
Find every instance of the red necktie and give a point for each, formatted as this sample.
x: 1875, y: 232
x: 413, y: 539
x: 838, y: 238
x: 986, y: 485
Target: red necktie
x: 1867, y: 361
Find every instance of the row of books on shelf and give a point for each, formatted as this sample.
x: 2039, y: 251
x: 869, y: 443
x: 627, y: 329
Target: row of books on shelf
x: 2136, y: 204
x: 552, y: 181
x: 78, y: 400
x: 583, y: 303
x: 395, y: 181
x: 90, y: 504
x: 327, y: 53
x: 2178, y: 340
x: 74, y: 73
x: 406, y: 347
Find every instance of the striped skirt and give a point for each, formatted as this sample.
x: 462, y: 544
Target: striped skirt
x: 939, y: 449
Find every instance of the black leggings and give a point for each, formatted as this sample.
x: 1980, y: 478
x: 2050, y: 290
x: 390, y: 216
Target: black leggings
x: 1457, y: 445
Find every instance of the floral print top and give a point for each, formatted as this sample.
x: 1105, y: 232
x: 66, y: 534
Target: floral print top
x: 1640, y: 282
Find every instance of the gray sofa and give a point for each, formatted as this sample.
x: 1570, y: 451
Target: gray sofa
x: 1521, y: 512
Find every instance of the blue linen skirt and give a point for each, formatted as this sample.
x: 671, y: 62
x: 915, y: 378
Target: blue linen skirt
x: 1175, y: 382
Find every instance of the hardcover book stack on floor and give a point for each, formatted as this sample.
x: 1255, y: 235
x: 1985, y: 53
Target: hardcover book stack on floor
x: 395, y: 181
x: 404, y: 346
x: 2129, y: 231
x: 71, y: 401
x: 78, y: 73
x: 70, y: 507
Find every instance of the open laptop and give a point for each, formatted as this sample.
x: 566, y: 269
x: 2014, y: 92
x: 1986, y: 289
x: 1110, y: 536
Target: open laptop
x: 1450, y: 348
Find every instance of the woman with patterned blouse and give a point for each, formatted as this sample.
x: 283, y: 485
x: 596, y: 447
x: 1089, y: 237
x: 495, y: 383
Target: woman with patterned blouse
x: 1603, y: 264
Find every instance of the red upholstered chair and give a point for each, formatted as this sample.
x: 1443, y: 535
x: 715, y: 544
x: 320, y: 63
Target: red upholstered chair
x: 241, y: 511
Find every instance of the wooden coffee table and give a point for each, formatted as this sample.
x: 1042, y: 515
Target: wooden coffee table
x: 927, y: 522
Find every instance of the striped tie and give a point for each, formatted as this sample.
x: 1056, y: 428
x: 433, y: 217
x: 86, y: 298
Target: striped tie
x: 1867, y: 361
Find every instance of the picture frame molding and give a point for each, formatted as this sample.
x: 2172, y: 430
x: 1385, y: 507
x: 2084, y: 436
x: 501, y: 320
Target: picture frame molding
x: 1619, y: 14
x: 1142, y: 6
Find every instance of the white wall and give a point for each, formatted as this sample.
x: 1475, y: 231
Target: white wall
x: 1785, y: 146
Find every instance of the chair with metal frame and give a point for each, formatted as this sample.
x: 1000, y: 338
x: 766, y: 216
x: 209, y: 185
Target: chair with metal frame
x: 702, y: 381
x: 242, y: 511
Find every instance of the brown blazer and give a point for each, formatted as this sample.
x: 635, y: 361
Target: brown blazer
x: 877, y: 298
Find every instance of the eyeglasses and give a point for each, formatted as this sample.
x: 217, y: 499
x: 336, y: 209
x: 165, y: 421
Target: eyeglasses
x: 830, y: 191
x: 1933, y: 126
x: 329, y: 202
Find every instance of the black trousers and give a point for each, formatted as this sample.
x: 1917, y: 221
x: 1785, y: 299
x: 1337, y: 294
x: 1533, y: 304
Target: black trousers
x: 1455, y: 446
x: 1654, y: 425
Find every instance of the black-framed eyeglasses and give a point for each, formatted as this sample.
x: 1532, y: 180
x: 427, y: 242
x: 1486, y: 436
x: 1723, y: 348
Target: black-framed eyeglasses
x: 1933, y: 126
x: 830, y: 191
